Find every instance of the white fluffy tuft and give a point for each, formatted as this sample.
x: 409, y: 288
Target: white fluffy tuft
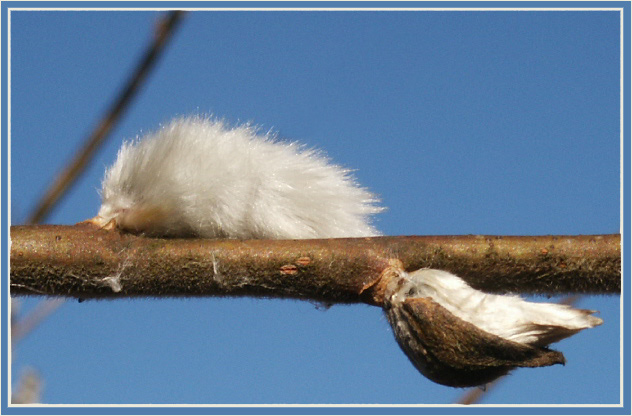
x: 197, y: 177
x: 508, y: 317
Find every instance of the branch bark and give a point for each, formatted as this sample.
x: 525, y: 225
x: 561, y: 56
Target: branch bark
x: 84, y: 262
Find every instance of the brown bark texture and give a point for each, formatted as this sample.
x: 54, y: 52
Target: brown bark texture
x: 83, y: 261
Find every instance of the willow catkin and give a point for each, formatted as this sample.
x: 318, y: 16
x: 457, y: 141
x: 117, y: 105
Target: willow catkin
x: 196, y: 177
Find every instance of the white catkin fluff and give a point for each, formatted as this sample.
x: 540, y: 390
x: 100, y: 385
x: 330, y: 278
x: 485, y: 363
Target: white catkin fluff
x: 197, y: 177
x: 509, y: 317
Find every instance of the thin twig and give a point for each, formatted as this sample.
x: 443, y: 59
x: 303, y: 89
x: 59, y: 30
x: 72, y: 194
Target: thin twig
x: 72, y: 171
x: 25, y: 325
x: 29, y: 388
x: 86, y: 262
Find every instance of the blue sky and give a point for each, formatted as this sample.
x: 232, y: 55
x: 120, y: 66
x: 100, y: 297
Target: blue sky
x: 463, y: 122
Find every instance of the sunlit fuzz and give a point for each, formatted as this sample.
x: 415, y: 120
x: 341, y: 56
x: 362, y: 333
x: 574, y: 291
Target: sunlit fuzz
x: 458, y: 336
x: 196, y: 176
x: 509, y: 317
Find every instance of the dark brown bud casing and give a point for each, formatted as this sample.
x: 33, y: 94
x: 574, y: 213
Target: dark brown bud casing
x: 453, y: 352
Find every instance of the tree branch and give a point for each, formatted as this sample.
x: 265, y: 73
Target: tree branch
x: 83, y: 261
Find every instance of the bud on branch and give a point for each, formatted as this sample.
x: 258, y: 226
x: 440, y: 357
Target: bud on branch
x: 85, y: 261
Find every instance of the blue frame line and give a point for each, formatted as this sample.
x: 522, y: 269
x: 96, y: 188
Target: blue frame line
x: 4, y: 302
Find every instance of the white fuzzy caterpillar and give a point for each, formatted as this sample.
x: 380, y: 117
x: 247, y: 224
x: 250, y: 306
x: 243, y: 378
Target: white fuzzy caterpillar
x: 197, y: 177
x: 509, y: 317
